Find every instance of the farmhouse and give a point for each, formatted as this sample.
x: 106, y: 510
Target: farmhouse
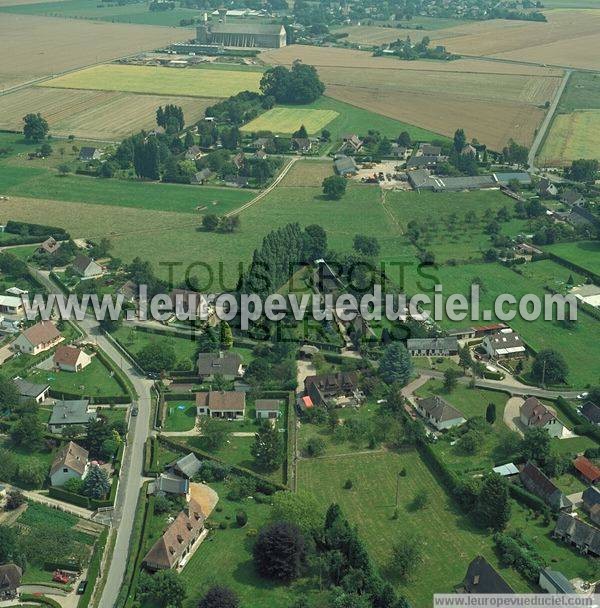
x: 201, y: 177
x: 169, y: 484
x: 352, y: 142
x: 547, y: 188
x: 537, y: 483
x: 425, y: 161
x: 591, y: 412
x: 339, y: 387
x: 267, y: 408
x: 187, y: 466
x: 227, y: 365
x: 439, y: 412
x: 534, y: 413
x: 591, y: 498
x: 482, y: 577
x: 247, y: 35
x: 432, y: 347
x: 86, y: 267
x: 88, y: 154
x: 504, y: 344
x: 10, y: 581
x: 588, y: 471
x: 49, y: 246
x: 345, y: 166
x: 28, y: 390
x: 129, y: 291
x: 426, y: 149
x: 572, y: 198
x: 576, y: 532
x: 38, y: 338
x: 70, y: 413
x: 221, y: 404
x: 178, y: 539
x: 71, y: 462
x: 10, y: 305
x: 553, y: 581
x: 71, y: 359
x: 193, y: 153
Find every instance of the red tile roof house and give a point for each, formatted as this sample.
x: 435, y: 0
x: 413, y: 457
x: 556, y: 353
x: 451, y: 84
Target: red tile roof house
x: 71, y: 359
x: 221, y: 404
x: 588, y: 471
x: 533, y: 413
x: 38, y: 338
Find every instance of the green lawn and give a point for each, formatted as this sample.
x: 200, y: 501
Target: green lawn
x: 450, y: 539
x: 288, y: 120
x: 583, y: 253
x: 582, y: 91
x: 181, y: 416
x: 93, y: 381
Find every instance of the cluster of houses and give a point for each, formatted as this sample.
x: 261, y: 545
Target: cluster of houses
x: 185, y: 532
x: 82, y: 265
x: 577, y: 213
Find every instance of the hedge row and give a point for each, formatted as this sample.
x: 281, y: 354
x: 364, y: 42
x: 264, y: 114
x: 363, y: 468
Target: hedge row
x: 93, y: 569
x: 119, y: 376
x: 111, y: 399
x: 70, y: 497
x: 39, y: 599
x: 525, y: 497
x: 39, y: 230
x: 574, y: 267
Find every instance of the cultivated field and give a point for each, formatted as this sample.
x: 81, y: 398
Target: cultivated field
x: 289, y: 120
x: 309, y: 173
x: 505, y: 99
x: 103, y: 115
x: 572, y: 136
x: 46, y: 46
x: 159, y: 80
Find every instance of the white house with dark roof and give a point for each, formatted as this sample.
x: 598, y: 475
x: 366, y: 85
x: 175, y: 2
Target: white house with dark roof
x: 438, y: 412
x: 29, y: 390
x: 267, y: 409
x: 74, y: 412
x: 70, y: 462
x: 533, y: 413
x: 86, y: 267
x: 505, y: 344
x: 432, y: 347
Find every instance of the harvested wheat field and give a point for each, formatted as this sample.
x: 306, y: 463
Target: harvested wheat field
x: 92, y: 114
x: 42, y: 46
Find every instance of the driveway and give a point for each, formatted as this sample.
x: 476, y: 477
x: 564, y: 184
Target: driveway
x: 5, y: 353
x: 511, y: 414
x: 305, y: 368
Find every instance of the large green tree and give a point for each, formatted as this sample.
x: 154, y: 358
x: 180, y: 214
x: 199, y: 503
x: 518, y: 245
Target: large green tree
x: 35, y: 127
x: 280, y: 551
x: 219, y: 596
x: 268, y: 447
x: 493, y: 503
x: 334, y: 187
x: 550, y: 367
x: 395, y: 365
x: 96, y: 483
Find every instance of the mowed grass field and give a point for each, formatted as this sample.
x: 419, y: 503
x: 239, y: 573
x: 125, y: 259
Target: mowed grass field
x: 289, y: 120
x: 160, y: 80
x: 583, y: 253
x: 572, y: 136
x: 103, y: 115
x: 450, y: 540
x: 43, y: 46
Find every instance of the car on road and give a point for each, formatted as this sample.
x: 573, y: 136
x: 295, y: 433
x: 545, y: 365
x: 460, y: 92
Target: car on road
x: 134, y: 411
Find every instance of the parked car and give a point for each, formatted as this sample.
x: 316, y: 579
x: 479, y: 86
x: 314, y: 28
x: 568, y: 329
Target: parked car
x: 81, y: 587
x: 134, y: 411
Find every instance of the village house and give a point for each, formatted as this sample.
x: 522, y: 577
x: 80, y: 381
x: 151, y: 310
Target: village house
x: 29, y: 390
x: 546, y: 188
x: 11, y: 305
x: 338, y: 387
x: 73, y: 412
x: 590, y: 498
x: 572, y: 198
x: 71, y: 359
x: 352, y: 143
x: 537, y: 483
x: 425, y: 161
x: 587, y: 470
x: 236, y: 181
x: 345, y: 166
x: 426, y: 149
x: 400, y: 152
x: 70, y: 462
x: 583, y: 536
x: 38, y: 338
x: 553, y: 581
x: 187, y: 466
x: 462, y: 333
x: 302, y: 145
x: 49, y: 246
x: 505, y: 344
x: 86, y: 267
x: 88, y: 154
x: 432, y: 347
x: 533, y: 413
x: 129, y: 291
x: 482, y: 577
x: 469, y: 150
x: 167, y: 483
x: 438, y: 412
x: 267, y: 409
x: 201, y: 177
x: 486, y: 330
x: 177, y: 540
x: 591, y: 412
x: 260, y: 155
x: 228, y: 365
x: 193, y: 153
x: 221, y: 404
x: 10, y: 581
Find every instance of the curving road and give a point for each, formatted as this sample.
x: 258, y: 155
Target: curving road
x: 131, y: 471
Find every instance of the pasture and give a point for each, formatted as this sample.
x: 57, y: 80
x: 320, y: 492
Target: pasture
x: 450, y: 540
x: 103, y: 115
x: 288, y: 120
x: 46, y: 46
x: 572, y: 136
x: 581, y: 93
x: 159, y: 80
x: 583, y: 253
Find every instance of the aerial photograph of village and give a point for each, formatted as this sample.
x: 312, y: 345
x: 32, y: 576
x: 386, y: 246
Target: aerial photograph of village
x: 299, y: 303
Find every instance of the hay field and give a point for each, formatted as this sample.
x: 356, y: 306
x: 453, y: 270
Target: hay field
x: 289, y: 120
x: 101, y: 115
x: 572, y: 136
x: 159, y: 80
x: 374, y: 35
x: 42, y: 46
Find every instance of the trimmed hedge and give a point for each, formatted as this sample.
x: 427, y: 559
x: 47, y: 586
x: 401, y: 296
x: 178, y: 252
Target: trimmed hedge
x: 70, y: 497
x: 525, y: 497
x: 93, y: 569
x: 119, y: 376
x: 37, y: 230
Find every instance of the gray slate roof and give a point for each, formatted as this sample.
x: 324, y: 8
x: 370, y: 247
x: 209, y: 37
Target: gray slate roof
x: 578, y: 532
x: 226, y: 364
x: 443, y: 343
x: 30, y: 389
x: 439, y: 409
x: 558, y: 579
x: 71, y: 412
x: 187, y: 465
x: 169, y: 484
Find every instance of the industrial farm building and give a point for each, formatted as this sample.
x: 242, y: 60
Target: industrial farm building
x: 246, y: 35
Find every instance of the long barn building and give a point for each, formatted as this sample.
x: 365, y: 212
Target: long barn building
x: 246, y: 35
